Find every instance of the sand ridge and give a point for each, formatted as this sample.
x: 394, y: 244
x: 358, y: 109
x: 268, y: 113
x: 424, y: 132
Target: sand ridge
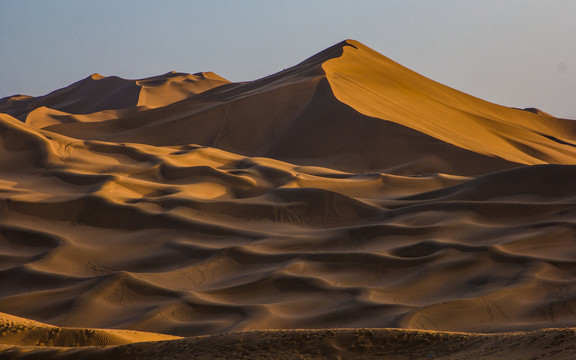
x: 376, y: 86
x: 346, y: 192
x: 23, y: 338
x: 21, y: 332
x: 97, y: 93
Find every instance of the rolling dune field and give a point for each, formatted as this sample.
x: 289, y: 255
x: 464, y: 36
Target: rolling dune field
x: 346, y: 207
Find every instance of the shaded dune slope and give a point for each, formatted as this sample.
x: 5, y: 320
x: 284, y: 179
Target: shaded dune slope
x: 312, y: 198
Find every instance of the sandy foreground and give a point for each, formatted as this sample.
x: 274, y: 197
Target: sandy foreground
x: 346, y: 207
x: 21, y: 338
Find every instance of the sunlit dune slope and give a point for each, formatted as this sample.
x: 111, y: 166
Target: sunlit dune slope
x: 344, y: 192
x: 376, y: 86
x: 19, y: 331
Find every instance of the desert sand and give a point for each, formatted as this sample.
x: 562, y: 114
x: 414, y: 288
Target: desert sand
x: 346, y: 207
x: 41, y: 341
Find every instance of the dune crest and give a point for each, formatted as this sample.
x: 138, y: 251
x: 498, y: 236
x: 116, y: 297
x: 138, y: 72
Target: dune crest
x: 346, y: 192
x: 97, y: 93
x: 376, y: 86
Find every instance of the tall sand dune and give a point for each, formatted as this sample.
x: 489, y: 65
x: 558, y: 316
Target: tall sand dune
x: 342, y: 198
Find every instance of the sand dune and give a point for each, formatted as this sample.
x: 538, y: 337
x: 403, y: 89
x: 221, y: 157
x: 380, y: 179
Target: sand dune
x: 378, y: 87
x: 20, y: 332
x: 22, y: 338
x: 99, y: 93
x: 344, y: 192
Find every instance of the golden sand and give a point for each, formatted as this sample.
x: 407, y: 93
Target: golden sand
x: 346, y: 207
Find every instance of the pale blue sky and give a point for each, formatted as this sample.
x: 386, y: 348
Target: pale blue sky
x: 517, y: 53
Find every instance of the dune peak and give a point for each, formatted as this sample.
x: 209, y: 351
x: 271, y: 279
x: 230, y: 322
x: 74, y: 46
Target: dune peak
x: 210, y: 75
x: 97, y: 76
x: 378, y: 87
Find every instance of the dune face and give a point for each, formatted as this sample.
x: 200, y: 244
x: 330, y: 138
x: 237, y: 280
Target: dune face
x: 344, y: 192
x: 376, y: 86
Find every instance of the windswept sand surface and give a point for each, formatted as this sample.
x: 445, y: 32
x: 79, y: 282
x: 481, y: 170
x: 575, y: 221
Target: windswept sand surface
x: 42, y: 342
x: 346, y: 192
